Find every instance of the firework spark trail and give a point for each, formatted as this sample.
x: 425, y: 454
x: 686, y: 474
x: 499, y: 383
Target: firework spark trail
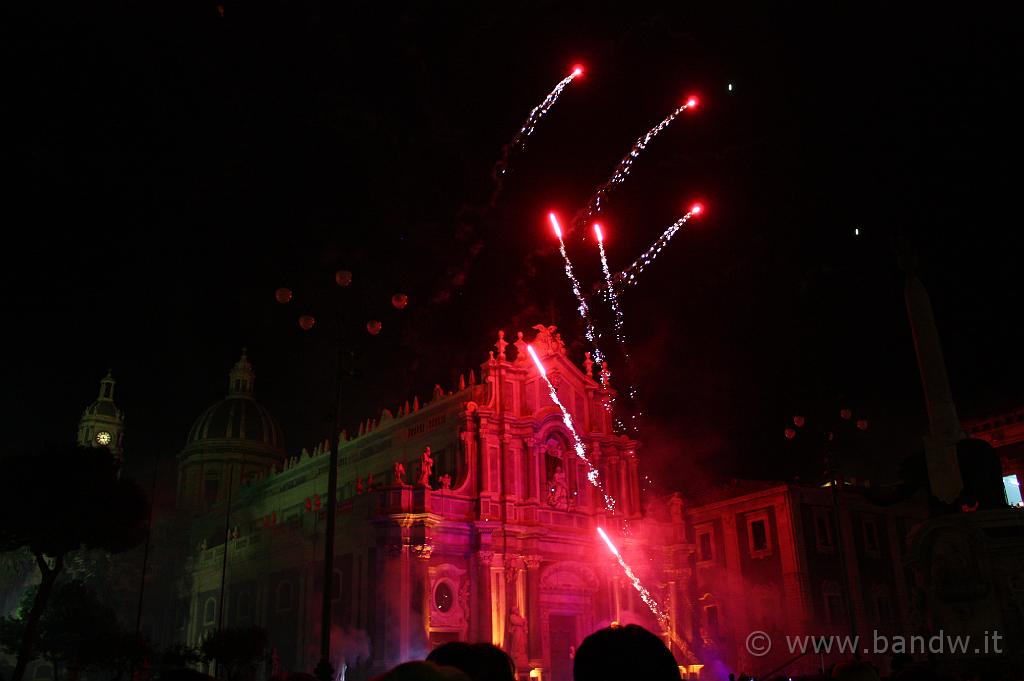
x: 628, y: 276
x: 626, y: 164
x: 577, y: 291
x: 519, y: 139
x: 593, y: 475
x: 613, y: 300
x: 645, y: 595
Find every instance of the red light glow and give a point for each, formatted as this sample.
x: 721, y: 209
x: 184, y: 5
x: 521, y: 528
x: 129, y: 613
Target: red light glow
x: 697, y: 209
x: 577, y: 70
x: 691, y: 102
x: 597, y: 231
x: 554, y: 223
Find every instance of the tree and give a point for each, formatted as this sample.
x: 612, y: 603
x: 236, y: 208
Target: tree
x: 60, y: 500
x: 238, y: 651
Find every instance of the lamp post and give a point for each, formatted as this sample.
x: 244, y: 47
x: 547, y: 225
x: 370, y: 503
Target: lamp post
x: 834, y: 479
x: 325, y: 669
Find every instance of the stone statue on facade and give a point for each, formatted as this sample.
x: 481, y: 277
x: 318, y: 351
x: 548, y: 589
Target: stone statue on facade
x: 675, y: 508
x: 558, y: 490
x: 426, y: 467
x: 446, y: 482
x: 517, y: 638
x: 400, y: 474
x: 548, y: 341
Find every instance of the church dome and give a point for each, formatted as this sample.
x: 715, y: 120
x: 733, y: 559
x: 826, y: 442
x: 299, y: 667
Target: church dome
x: 238, y: 422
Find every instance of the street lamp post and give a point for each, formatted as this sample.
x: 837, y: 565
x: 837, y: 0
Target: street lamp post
x: 325, y: 669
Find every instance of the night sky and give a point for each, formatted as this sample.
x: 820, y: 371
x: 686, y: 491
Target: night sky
x: 171, y: 167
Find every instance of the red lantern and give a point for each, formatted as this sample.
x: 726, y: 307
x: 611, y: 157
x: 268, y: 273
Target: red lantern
x: 399, y: 300
x: 845, y: 414
x: 373, y: 327
x: 789, y: 433
x: 343, y: 277
x: 799, y: 421
x: 306, y: 322
x: 862, y: 424
x: 283, y: 295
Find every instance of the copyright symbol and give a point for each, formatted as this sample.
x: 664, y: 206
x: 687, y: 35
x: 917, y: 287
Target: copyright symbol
x: 759, y: 643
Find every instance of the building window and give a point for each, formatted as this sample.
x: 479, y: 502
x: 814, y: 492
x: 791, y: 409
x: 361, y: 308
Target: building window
x: 834, y: 610
x: 210, y: 611
x: 758, y: 535
x: 705, y: 547
x: 823, y: 536
x: 711, y: 620
x: 871, y: 544
x: 284, y: 597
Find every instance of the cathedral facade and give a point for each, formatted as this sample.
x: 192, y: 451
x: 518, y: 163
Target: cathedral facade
x: 468, y: 517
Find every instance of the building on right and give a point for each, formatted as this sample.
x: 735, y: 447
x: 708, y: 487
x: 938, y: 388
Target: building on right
x: 777, y: 562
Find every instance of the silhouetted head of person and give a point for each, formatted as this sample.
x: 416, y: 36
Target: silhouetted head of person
x: 422, y: 671
x: 629, y: 652
x: 480, y: 661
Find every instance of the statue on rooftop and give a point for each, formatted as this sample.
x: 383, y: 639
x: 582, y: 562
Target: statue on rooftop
x: 400, y: 474
x: 426, y: 467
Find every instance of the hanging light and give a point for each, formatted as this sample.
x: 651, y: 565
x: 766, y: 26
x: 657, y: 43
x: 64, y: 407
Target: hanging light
x: 283, y: 295
x: 306, y: 322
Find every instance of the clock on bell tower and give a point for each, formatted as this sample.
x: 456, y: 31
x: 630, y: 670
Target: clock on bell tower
x: 102, y: 422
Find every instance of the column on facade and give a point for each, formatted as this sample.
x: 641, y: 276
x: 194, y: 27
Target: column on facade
x: 482, y: 612
x: 626, y: 499
x: 611, y: 480
x: 532, y: 613
x: 469, y: 444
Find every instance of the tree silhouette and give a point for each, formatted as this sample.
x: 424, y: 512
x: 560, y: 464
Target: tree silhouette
x: 60, y: 500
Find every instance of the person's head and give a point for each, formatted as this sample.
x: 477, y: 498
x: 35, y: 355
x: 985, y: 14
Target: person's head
x: 422, y: 671
x: 480, y: 661
x: 629, y: 652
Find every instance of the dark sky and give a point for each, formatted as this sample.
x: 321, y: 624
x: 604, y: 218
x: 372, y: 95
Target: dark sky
x: 172, y: 167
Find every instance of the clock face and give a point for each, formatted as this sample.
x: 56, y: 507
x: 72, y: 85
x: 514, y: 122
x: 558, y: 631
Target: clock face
x: 103, y: 438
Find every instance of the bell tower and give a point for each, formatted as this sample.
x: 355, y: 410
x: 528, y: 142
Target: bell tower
x: 102, y: 422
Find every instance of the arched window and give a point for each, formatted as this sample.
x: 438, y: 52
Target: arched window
x: 210, y: 611
x: 284, y: 597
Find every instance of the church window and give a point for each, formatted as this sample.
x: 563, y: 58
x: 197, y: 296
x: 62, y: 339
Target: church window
x: 106, y: 390
x: 443, y: 597
x: 284, y: 597
x: 210, y: 611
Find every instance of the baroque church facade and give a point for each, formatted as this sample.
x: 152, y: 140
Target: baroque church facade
x: 468, y: 517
